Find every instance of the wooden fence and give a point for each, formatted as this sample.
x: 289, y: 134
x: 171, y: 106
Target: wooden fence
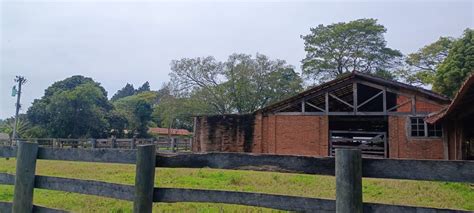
x: 163, y: 145
x: 347, y: 166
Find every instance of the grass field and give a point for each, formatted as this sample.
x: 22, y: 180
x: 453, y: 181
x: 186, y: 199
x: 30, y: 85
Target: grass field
x: 402, y: 192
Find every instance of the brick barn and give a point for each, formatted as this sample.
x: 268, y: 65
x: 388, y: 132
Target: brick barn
x: 381, y: 117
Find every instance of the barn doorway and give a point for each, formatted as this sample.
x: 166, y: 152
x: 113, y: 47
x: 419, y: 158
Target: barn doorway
x: 367, y: 133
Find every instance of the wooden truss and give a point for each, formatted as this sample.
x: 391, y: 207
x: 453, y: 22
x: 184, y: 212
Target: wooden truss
x: 355, y: 97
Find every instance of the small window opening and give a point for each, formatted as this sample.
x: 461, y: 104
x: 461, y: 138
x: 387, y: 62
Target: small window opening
x: 419, y: 128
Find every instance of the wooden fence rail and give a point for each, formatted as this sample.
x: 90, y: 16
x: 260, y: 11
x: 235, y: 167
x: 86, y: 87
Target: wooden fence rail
x: 456, y: 171
x: 435, y: 170
x: 163, y: 145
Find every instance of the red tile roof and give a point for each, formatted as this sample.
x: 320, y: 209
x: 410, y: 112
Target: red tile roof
x: 164, y: 131
x: 461, y: 96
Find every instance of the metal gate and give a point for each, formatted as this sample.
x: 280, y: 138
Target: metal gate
x: 372, y: 144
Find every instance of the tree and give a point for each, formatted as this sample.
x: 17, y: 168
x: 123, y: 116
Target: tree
x: 144, y: 88
x: 242, y: 84
x: 137, y: 110
x: 204, y: 74
x: 117, y: 122
x: 424, y: 63
x: 23, y: 126
x: 175, y: 109
x: 457, y: 66
x: 126, y: 91
x: 142, y: 112
x: 343, y: 47
x: 73, y: 108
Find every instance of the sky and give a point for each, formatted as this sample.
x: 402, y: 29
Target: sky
x: 119, y: 42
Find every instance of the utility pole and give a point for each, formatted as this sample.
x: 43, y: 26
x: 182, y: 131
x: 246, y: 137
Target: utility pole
x: 21, y: 80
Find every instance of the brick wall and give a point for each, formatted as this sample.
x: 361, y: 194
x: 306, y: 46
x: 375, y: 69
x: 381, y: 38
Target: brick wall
x: 300, y: 135
x: 276, y: 134
x: 401, y: 145
x: 294, y: 135
x: 425, y: 106
x: 224, y: 133
x: 421, y: 105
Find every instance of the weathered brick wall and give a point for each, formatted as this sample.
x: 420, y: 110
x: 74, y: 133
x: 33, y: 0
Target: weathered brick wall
x: 401, y: 145
x: 224, y: 133
x: 277, y: 134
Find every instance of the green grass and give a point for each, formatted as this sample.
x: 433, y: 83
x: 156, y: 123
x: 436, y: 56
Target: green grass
x: 401, y: 192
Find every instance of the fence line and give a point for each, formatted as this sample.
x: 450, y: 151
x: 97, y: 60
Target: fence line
x: 163, y: 145
x: 298, y: 164
x: 437, y: 170
x: 172, y: 195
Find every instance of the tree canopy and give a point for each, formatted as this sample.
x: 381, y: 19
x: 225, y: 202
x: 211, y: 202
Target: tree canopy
x: 457, y: 66
x: 127, y: 90
x: 144, y: 88
x: 242, y: 84
x: 424, y: 63
x: 344, y: 47
x: 137, y: 110
x: 73, y: 108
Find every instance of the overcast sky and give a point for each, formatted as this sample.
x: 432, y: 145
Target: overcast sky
x: 119, y: 42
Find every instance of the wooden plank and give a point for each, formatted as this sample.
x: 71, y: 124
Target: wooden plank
x: 7, y: 179
x: 440, y: 170
x: 247, y: 161
x: 125, y: 156
x: 282, y: 202
x: 89, y: 187
x: 340, y: 100
x: 354, y: 96
x: 435, y: 170
x: 7, y: 207
x: 314, y: 106
x: 326, y: 102
x: 384, y: 100
x: 125, y: 192
x: 371, y: 98
x: 25, y: 177
x: 348, y: 180
x: 8, y: 151
x: 386, y: 208
x: 357, y: 132
x: 144, y: 179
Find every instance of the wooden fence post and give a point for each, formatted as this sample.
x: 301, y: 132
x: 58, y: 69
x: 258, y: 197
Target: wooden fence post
x: 93, y: 143
x: 134, y: 143
x: 144, y: 179
x: 114, y: 142
x: 173, y: 144
x: 25, y: 177
x: 348, y: 181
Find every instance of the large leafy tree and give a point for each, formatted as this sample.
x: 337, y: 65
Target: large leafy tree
x: 457, y: 66
x: 424, y: 62
x: 175, y: 109
x: 137, y: 110
x: 127, y: 90
x: 344, y: 47
x: 72, y: 108
x: 242, y: 84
